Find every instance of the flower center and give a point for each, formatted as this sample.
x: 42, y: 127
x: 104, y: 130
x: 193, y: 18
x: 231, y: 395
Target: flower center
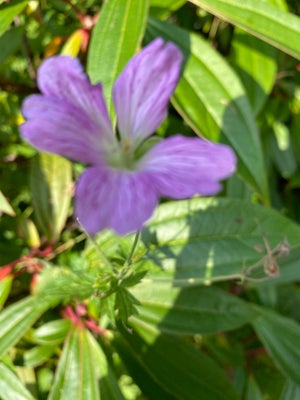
x: 123, y: 157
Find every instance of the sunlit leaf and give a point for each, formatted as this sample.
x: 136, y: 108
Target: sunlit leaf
x: 9, y: 11
x: 279, y: 28
x: 115, y: 39
x: 51, y: 187
x: 11, y: 387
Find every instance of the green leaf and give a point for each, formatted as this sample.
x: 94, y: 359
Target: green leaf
x: 168, y: 364
x: 5, y: 286
x: 255, y: 61
x: 51, y: 333
x: 81, y: 380
x: 199, y: 241
x: 8, y: 12
x: 5, y: 206
x: 280, y: 336
x: 196, y: 310
x: 260, y: 18
x: 253, y: 392
x: 16, y: 319
x: 115, y: 39
x: 10, y: 386
x: 87, y: 370
x: 162, y: 8
x: 51, y: 188
x: 290, y: 391
x: 38, y: 355
x: 212, y: 101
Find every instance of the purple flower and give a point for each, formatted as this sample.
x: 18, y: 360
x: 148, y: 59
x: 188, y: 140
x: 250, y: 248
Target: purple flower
x: 120, y: 189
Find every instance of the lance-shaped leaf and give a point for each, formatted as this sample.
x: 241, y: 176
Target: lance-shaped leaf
x: 51, y: 188
x: 5, y: 207
x: 213, y: 102
x: 279, y: 28
x: 189, y: 310
x: 87, y: 370
x: 255, y: 62
x: 16, y: 319
x: 11, y: 387
x: 115, y: 39
x: 9, y: 11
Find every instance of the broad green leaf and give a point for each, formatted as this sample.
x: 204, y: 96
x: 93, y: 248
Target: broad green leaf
x: 81, y: 380
x: 9, y: 11
x: 260, y: 18
x: 115, y: 39
x: 16, y: 319
x: 10, y: 42
x: 280, y: 336
x: 190, y: 310
x: 212, y: 101
x: 51, y: 188
x: 255, y: 61
x: 11, y: 387
x: 5, y: 206
x: 199, y: 241
x: 172, y: 365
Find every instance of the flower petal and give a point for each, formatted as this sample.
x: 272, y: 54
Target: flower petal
x: 62, y: 77
x: 121, y: 200
x: 56, y: 126
x: 182, y: 167
x: 142, y: 91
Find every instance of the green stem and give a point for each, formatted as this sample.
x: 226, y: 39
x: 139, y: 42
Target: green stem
x: 134, y: 244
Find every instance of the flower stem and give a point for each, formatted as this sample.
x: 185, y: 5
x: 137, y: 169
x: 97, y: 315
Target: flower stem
x: 134, y: 244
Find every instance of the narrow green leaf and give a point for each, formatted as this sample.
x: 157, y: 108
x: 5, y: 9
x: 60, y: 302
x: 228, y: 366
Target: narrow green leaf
x: 9, y: 11
x: 81, y: 380
x: 260, y: 18
x: 38, y: 355
x: 5, y: 286
x: 280, y: 336
x: 253, y: 392
x: 11, y: 387
x: 51, y: 188
x: 255, y: 61
x: 5, y: 206
x: 212, y: 101
x: 115, y: 39
x: 51, y: 333
x: 189, y: 310
x: 16, y: 319
x: 173, y: 365
x: 290, y: 391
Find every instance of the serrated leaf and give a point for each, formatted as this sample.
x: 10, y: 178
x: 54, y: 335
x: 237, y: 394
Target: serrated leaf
x: 260, y: 18
x: 11, y: 387
x: 213, y: 102
x: 172, y: 365
x: 8, y: 12
x: 197, y: 310
x: 16, y: 319
x: 255, y: 61
x: 115, y: 39
x: 51, y: 188
x: 280, y: 336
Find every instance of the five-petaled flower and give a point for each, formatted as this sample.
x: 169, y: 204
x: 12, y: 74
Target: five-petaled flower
x: 120, y: 189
